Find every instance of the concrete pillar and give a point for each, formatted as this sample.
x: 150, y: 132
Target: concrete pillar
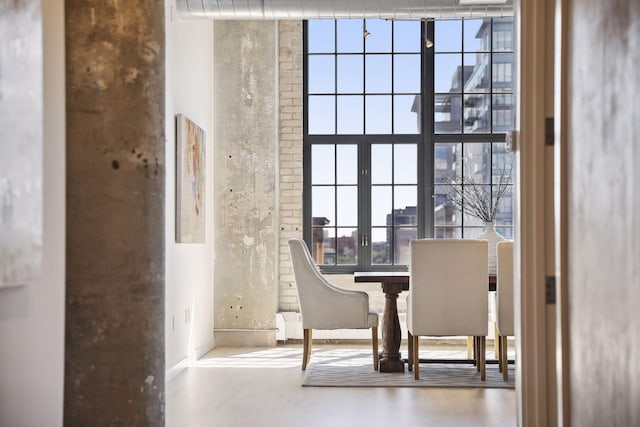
x: 245, y: 170
x: 114, y: 362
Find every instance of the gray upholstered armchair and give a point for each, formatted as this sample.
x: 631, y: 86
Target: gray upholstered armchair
x: 325, y: 306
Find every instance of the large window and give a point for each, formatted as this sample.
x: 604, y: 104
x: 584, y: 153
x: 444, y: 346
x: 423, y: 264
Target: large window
x: 391, y: 124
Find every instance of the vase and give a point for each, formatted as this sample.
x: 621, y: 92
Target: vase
x: 492, y: 237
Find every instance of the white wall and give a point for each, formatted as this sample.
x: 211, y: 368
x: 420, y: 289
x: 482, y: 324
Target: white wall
x: 189, y: 267
x: 32, y: 317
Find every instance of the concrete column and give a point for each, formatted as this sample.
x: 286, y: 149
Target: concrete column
x: 114, y: 362
x: 245, y: 182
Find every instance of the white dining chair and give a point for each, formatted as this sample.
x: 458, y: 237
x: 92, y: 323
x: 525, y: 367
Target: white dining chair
x: 448, y: 294
x: 504, y: 303
x: 325, y: 306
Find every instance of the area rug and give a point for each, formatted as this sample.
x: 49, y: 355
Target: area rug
x: 357, y: 371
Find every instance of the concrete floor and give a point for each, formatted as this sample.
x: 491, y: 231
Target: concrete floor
x: 261, y: 387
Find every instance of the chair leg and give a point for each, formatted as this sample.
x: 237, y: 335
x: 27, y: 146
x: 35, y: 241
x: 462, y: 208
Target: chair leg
x: 306, y: 348
x: 470, y: 348
x: 498, y: 339
x: 505, y: 359
x: 416, y: 359
x: 374, y: 340
x: 483, y: 357
x: 410, y: 355
x: 476, y: 352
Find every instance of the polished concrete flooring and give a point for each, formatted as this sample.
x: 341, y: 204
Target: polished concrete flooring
x: 261, y: 387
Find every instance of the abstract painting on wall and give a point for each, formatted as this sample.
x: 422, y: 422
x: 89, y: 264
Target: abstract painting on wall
x: 190, y: 181
x: 21, y: 146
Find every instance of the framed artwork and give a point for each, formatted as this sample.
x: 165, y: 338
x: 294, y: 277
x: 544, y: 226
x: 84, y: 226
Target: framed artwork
x: 190, y: 181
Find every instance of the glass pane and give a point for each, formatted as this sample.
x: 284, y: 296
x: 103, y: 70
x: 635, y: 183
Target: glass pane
x: 323, y: 205
x: 471, y: 220
x: 477, y: 79
x: 503, y: 34
x: 502, y: 164
x: 378, y: 79
x: 381, y: 205
x: 350, y: 38
x: 322, y: 115
x: 347, y: 251
x: 381, y: 158
x: 444, y: 212
x: 321, y: 36
x: 322, y: 164
x: 406, y: 73
x: 448, y: 35
x: 323, y: 246
x: 502, y: 72
x: 503, y: 112
x: 380, y: 245
x: 406, y: 114
x: 477, y: 162
x: 504, y: 213
x: 405, y: 162
x: 347, y: 164
x: 347, y: 206
x: 477, y: 35
x: 378, y: 114
x: 472, y: 232
x: 350, y: 73
x: 405, y: 205
x: 506, y: 232
x: 407, y: 36
x: 477, y: 114
x: 447, y: 163
x: 350, y: 114
x: 448, y: 114
x: 402, y: 245
x: 448, y: 233
x: 447, y: 72
x: 321, y: 74
x: 380, y: 38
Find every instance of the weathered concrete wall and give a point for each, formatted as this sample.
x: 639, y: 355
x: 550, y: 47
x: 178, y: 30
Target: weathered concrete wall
x: 245, y: 170
x: 604, y: 212
x: 114, y: 364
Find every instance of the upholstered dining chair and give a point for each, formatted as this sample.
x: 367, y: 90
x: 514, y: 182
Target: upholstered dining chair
x: 504, y: 302
x: 448, y: 294
x: 325, y: 306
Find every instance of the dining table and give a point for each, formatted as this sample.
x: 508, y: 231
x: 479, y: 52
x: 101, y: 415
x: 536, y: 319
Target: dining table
x: 393, y: 283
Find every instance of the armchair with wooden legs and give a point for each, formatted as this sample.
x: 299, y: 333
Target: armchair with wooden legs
x: 448, y: 294
x: 326, y: 306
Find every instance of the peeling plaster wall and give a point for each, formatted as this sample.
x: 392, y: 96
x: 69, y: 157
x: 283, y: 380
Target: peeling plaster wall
x: 604, y: 212
x: 32, y: 316
x: 245, y: 182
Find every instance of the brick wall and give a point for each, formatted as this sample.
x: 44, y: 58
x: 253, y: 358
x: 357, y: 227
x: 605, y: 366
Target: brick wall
x: 290, y: 146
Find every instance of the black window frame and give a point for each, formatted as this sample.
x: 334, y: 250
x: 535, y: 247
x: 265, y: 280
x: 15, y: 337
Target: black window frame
x: 425, y: 141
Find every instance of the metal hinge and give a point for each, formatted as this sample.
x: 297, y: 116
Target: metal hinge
x: 550, y: 290
x: 549, y: 131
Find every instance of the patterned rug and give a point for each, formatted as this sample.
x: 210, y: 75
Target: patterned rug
x: 356, y: 370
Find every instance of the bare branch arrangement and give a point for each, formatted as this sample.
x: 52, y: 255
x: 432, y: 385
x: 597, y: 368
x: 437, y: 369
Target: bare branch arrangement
x: 477, y: 199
